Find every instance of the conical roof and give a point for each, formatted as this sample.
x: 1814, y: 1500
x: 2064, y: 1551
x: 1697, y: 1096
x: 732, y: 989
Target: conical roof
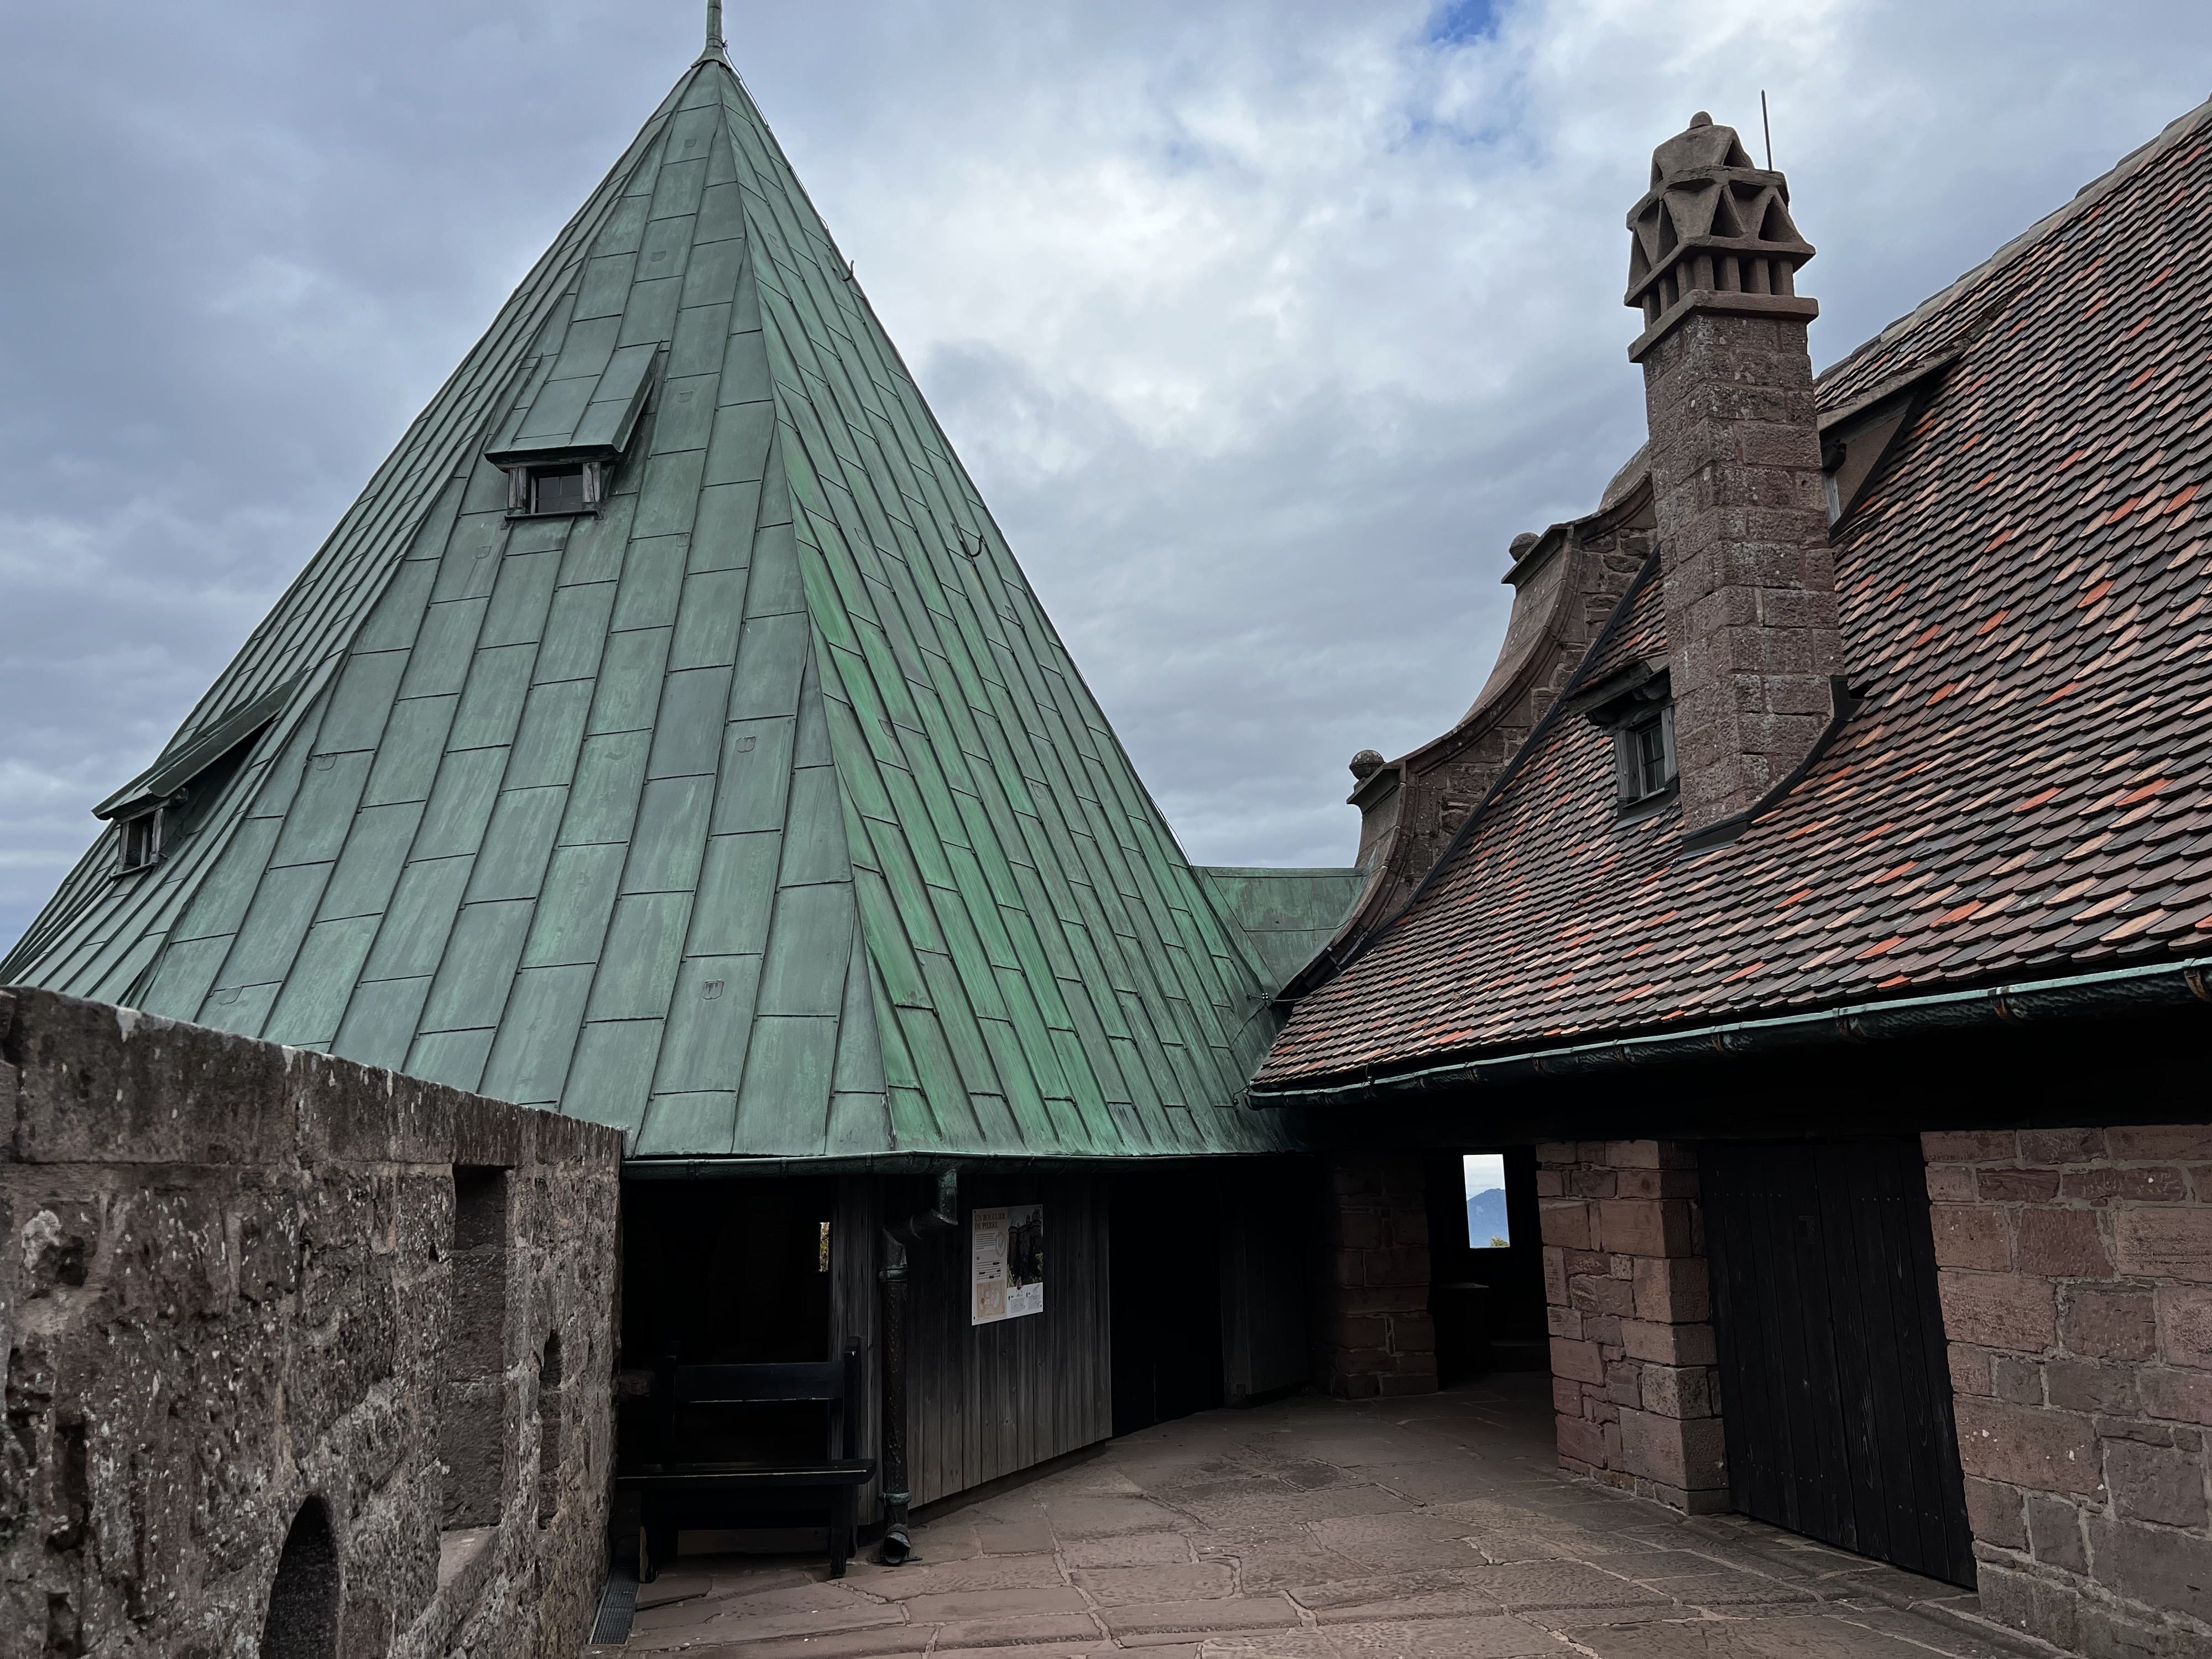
x: 760, y: 810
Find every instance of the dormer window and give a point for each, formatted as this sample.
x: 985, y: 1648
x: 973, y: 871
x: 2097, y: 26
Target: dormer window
x: 141, y: 842
x: 1636, y: 707
x: 571, y: 426
x: 1856, y: 439
x: 161, y: 808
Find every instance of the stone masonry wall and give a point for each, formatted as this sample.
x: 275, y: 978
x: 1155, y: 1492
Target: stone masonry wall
x: 229, y: 1303
x: 1375, y: 1335
x: 1634, y: 1373
x: 1752, y: 631
x: 2076, y: 1273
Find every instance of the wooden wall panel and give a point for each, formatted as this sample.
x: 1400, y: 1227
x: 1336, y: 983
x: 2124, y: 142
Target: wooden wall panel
x: 991, y: 1400
x: 855, y: 1245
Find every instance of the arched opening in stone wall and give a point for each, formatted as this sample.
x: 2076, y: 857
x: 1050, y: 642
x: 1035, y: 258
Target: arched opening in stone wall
x: 549, y: 1427
x: 303, y: 1602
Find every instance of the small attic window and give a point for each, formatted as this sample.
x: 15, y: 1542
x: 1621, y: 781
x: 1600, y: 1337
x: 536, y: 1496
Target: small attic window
x: 1644, y: 755
x: 1635, y: 706
x: 141, y: 842
x: 572, y: 487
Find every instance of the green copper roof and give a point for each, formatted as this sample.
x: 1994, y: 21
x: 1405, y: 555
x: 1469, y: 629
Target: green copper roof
x: 761, y: 812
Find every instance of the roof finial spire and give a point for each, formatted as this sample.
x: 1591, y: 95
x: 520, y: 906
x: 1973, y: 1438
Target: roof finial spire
x: 714, y: 43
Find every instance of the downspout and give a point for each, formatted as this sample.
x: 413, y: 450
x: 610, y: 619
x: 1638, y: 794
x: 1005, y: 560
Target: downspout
x: 943, y: 1213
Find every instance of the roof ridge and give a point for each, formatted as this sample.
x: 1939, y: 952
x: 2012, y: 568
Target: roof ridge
x: 2181, y: 127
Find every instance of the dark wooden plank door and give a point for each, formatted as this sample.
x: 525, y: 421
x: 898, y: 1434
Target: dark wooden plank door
x: 1835, y: 1387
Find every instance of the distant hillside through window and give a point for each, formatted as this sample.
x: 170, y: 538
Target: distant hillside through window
x: 1486, y: 1227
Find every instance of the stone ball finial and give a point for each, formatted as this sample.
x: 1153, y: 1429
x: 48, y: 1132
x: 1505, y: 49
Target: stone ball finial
x: 1366, y: 764
x: 1701, y: 119
x: 1523, y: 544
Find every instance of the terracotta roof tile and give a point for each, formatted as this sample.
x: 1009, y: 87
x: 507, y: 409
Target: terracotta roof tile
x: 2027, y: 789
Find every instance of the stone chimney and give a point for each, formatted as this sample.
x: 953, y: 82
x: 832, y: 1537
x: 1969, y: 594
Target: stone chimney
x: 1754, y: 653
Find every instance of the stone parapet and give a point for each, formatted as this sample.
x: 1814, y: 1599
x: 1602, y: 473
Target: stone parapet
x: 1634, y: 1373
x: 286, y: 1330
x: 1375, y: 1335
x: 2075, y: 1270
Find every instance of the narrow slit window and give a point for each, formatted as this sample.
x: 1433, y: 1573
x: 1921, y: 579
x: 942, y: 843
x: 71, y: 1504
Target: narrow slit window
x: 1487, y: 1228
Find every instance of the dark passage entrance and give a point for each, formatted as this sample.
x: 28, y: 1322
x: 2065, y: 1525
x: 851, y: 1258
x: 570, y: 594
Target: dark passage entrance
x: 1164, y: 1289
x: 1837, y: 1392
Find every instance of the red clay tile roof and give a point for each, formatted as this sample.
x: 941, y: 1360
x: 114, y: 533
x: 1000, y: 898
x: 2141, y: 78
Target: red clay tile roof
x: 2027, y: 790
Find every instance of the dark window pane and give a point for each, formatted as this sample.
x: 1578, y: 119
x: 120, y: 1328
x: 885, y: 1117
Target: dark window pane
x: 1650, y: 758
x: 558, y: 490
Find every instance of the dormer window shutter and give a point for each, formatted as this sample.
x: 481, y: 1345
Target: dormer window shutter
x: 565, y: 432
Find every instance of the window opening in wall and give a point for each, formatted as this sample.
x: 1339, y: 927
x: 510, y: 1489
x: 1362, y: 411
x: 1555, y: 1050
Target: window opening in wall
x: 303, y: 1600
x: 472, y: 1438
x: 570, y: 488
x: 1483, y: 1175
x: 1649, y: 769
x: 141, y: 842
x: 549, y: 1432
x: 822, y: 1256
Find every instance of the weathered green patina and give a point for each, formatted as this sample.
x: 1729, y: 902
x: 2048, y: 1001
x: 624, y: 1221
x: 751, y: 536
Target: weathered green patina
x: 760, y: 812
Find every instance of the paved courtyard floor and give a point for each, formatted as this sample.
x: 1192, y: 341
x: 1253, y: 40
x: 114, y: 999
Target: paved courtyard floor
x: 1315, y: 1529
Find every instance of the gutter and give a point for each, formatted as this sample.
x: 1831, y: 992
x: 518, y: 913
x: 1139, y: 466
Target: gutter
x: 743, y: 1166
x: 2116, y: 991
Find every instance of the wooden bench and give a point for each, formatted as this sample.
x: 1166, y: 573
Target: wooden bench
x: 676, y: 1493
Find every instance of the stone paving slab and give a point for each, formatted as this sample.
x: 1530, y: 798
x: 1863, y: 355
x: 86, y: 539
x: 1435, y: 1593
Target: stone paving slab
x: 1315, y: 1528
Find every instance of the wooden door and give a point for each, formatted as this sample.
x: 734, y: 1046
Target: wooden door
x: 1835, y: 1389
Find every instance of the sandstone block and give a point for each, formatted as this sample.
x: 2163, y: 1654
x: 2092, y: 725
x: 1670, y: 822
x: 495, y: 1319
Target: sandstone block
x: 2054, y: 1527
x: 1578, y: 1360
x: 1997, y: 1513
x: 2028, y: 1446
x: 1672, y: 1290
x: 2091, y: 1385
x: 2109, y: 1324
x: 1677, y: 1390
x: 2168, y: 1242
x: 1668, y: 1345
x: 1969, y: 1369
x: 1969, y: 1146
x: 1689, y: 1452
x: 2062, y: 1145
x: 2184, y: 1325
x: 1651, y: 1227
x: 1998, y: 1311
x: 1582, y: 1441
x: 2161, y: 1142
x: 2063, y: 1243
x: 2016, y: 1186
x: 2155, y: 1483
x: 1973, y: 1237
x: 2151, y: 1564
x: 1566, y: 1222
x: 2176, y: 1396
x: 1655, y: 1184
x: 1950, y: 1184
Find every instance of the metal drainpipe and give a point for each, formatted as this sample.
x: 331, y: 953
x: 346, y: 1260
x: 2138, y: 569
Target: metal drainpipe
x: 897, y: 1547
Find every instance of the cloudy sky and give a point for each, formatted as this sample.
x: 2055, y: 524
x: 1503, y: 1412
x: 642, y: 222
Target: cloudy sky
x: 1263, y: 326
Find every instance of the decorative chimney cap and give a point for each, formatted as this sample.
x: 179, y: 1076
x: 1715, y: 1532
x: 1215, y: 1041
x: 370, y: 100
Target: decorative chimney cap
x: 1366, y: 764
x: 1713, y: 232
